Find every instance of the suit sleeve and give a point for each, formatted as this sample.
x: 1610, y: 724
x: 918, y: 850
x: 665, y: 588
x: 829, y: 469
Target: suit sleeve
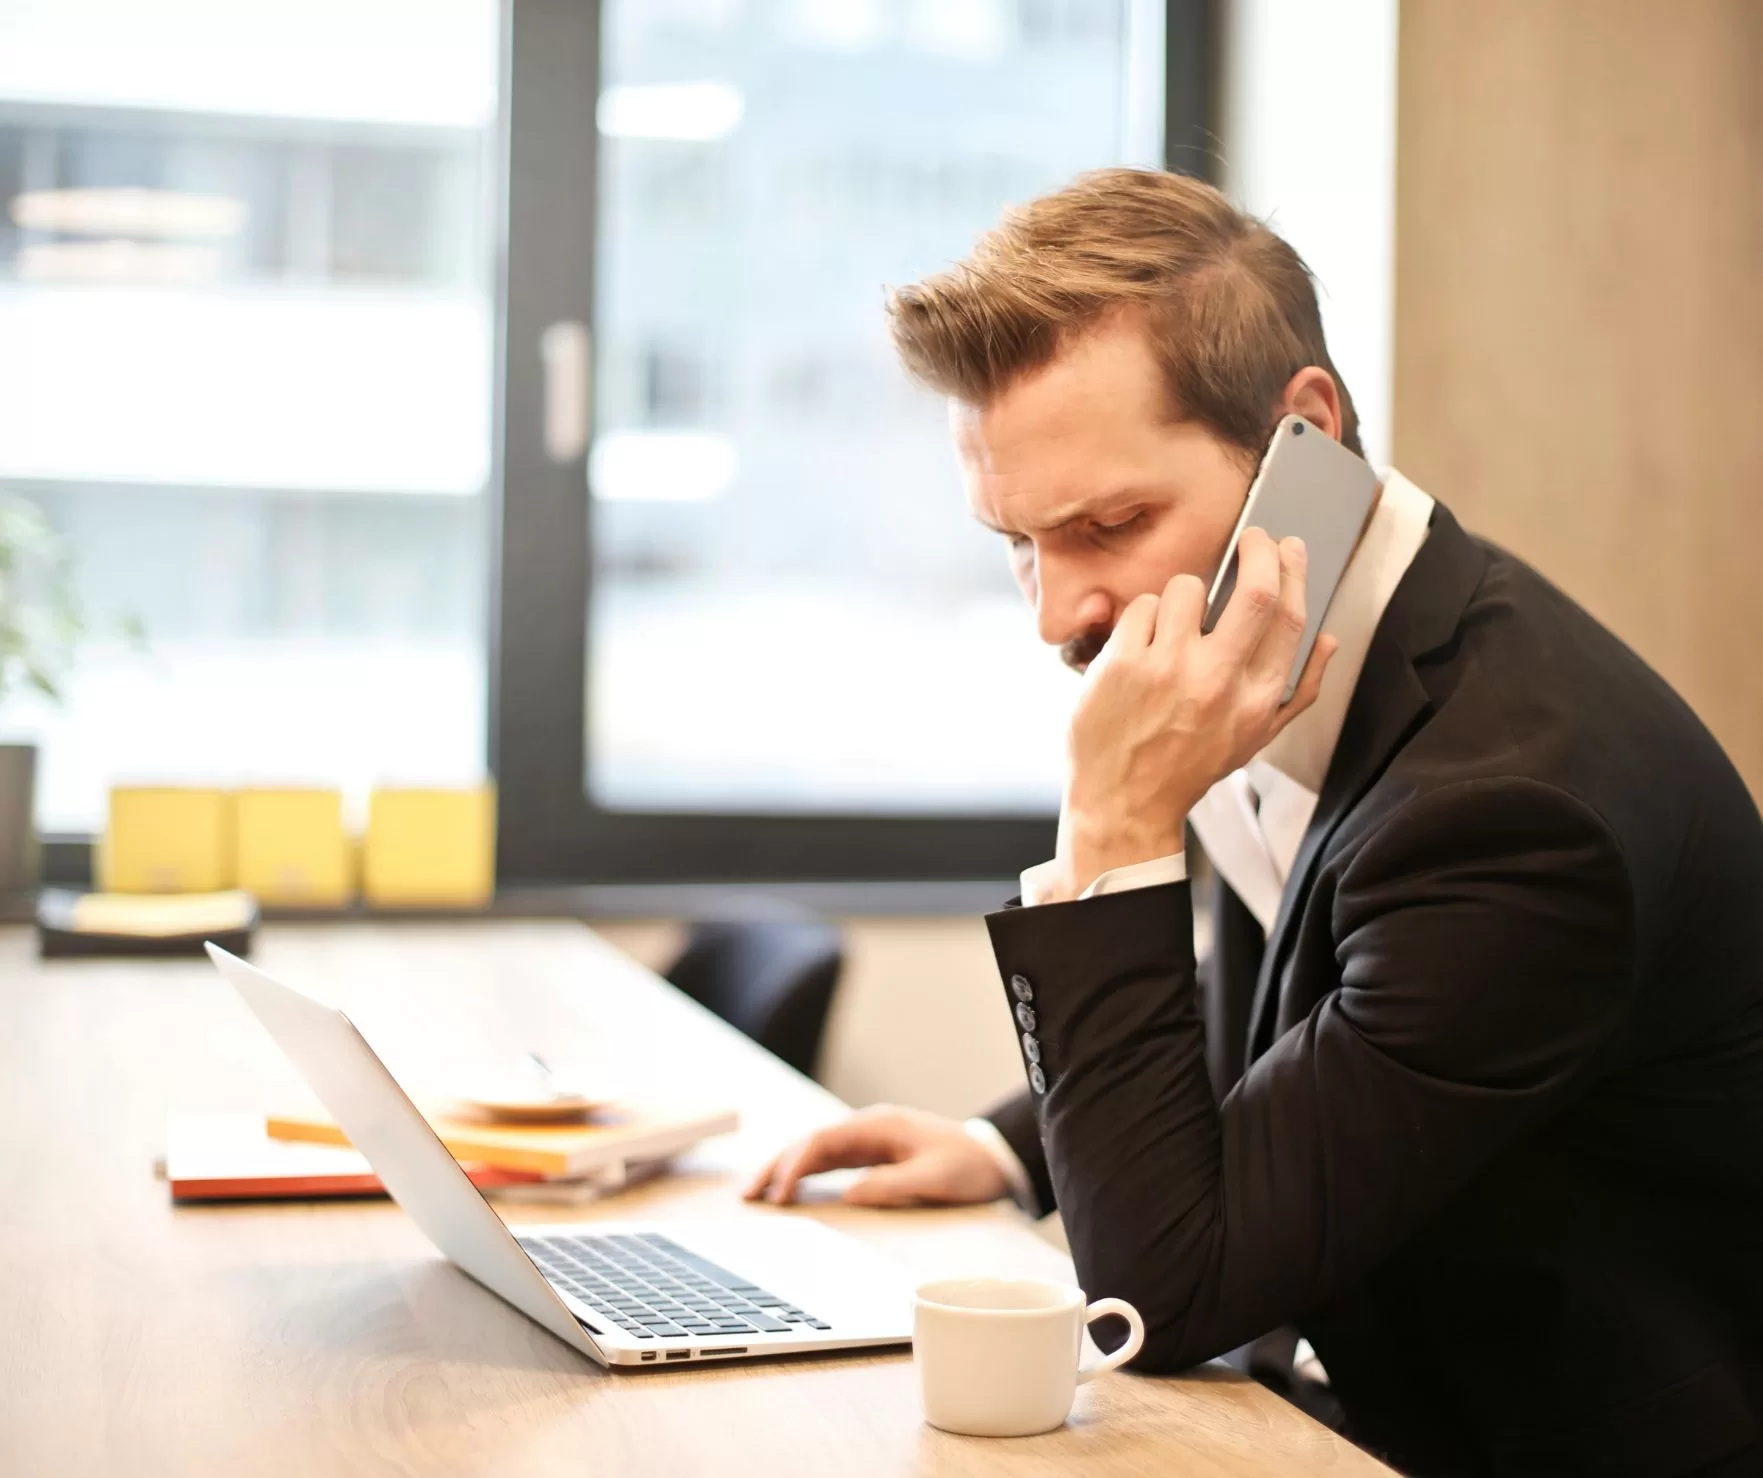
x: 1016, y: 1119
x: 1484, y: 939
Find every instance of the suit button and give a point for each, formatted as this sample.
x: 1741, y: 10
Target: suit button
x: 1025, y: 1016
x: 1037, y: 1079
x: 1031, y: 1049
x: 1021, y: 988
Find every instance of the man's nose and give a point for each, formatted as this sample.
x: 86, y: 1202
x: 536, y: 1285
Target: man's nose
x: 1066, y: 605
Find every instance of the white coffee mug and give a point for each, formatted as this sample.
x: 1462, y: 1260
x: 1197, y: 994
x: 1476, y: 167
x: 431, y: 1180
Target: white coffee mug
x: 998, y: 1357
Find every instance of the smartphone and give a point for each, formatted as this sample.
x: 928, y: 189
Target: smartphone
x: 1310, y: 487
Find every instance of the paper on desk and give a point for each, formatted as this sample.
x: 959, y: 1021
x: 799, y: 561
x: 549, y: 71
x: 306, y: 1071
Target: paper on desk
x: 156, y: 916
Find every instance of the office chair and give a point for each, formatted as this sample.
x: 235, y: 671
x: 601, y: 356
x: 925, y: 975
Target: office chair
x: 772, y: 978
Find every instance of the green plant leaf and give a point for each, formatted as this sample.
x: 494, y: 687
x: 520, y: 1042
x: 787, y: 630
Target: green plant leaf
x: 40, y: 679
x: 40, y: 619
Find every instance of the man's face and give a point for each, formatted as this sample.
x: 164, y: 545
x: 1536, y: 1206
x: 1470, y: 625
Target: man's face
x: 1101, y: 497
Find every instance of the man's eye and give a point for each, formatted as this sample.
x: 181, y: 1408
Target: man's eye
x: 1115, y: 530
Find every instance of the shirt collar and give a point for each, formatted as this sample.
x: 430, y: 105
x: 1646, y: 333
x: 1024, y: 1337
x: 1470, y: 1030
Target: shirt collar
x: 1393, y: 536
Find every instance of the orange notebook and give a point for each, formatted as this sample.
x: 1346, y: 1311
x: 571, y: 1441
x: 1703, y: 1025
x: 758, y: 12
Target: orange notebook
x: 608, y: 1142
x: 228, y: 1157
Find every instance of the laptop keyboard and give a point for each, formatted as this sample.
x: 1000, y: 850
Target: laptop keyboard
x: 652, y: 1288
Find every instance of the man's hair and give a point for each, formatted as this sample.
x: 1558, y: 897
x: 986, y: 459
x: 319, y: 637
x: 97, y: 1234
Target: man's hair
x: 1228, y: 307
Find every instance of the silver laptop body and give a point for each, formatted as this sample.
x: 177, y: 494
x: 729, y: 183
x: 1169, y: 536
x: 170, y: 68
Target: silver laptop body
x: 627, y: 1294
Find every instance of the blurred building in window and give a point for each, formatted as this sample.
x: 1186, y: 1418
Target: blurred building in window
x: 792, y: 609
x: 245, y: 360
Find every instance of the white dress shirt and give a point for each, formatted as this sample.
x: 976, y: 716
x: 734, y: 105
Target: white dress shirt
x: 1253, y: 821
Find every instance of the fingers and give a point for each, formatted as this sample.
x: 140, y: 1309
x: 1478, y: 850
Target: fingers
x: 756, y: 1186
x: 1133, y: 631
x: 1180, y: 611
x: 782, y: 1176
x: 1284, y: 629
x: 841, y: 1147
x: 1240, y: 630
x: 1309, y: 684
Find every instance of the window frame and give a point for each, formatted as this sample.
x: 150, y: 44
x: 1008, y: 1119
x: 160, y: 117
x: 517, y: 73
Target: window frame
x: 549, y: 829
x: 539, y: 525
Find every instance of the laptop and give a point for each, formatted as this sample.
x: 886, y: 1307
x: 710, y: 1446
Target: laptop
x: 628, y: 1294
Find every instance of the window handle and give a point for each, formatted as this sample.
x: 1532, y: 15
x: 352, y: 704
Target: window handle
x: 563, y: 348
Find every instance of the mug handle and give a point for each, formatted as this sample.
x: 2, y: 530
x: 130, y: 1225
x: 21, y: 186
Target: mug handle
x: 1135, y: 1338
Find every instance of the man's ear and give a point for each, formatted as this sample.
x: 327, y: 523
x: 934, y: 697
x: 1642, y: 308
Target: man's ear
x: 1313, y: 394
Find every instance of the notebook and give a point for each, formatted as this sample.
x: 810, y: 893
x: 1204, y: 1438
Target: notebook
x: 607, y: 1144
x: 230, y: 1157
x: 70, y: 923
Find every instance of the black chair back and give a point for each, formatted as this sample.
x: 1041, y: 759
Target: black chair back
x: 771, y: 978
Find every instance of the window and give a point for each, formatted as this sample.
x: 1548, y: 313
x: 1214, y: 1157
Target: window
x: 245, y: 354
x: 274, y: 282
x: 778, y: 531
x: 798, y: 657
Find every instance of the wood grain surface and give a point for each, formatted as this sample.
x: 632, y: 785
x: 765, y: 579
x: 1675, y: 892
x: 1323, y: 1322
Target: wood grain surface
x: 143, y: 1339
x: 1579, y: 313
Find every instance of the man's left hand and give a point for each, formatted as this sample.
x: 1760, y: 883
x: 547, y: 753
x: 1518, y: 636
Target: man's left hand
x: 1167, y: 712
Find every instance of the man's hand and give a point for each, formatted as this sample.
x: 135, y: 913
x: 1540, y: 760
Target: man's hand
x: 1167, y: 712
x: 925, y: 1160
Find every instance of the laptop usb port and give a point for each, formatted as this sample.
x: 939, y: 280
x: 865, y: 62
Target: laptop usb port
x: 679, y: 1354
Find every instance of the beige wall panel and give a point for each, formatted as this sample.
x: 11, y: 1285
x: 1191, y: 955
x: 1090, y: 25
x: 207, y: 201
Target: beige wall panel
x: 1579, y: 312
x: 919, y: 1017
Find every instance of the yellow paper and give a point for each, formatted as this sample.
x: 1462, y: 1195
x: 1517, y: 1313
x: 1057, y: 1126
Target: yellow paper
x: 292, y: 849
x: 430, y: 848
x: 167, y: 840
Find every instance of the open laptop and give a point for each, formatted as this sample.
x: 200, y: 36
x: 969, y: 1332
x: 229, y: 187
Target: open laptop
x: 627, y: 1294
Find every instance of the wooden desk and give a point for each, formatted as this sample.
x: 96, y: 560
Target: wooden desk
x: 330, y: 1339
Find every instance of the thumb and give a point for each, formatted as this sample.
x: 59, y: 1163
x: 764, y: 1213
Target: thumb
x: 905, y: 1184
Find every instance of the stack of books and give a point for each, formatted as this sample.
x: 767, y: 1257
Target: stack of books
x: 231, y: 1157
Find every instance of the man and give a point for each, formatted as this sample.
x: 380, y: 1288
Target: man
x: 1471, y: 1087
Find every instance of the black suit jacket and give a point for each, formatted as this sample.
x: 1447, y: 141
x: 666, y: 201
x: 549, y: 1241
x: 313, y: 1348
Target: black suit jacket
x: 1484, y: 1115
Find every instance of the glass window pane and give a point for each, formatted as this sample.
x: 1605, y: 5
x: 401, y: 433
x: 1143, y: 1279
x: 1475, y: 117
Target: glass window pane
x: 792, y: 610
x: 245, y: 355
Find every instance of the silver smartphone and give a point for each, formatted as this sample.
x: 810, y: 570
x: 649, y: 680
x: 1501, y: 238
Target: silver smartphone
x: 1310, y: 487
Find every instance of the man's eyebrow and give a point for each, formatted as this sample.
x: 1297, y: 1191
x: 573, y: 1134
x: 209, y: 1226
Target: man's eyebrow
x: 1060, y: 517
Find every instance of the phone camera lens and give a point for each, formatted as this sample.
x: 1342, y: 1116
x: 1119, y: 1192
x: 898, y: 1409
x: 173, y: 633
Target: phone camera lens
x: 1297, y: 428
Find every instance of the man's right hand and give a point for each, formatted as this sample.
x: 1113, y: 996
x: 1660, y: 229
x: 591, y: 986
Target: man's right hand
x: 923, y: 1159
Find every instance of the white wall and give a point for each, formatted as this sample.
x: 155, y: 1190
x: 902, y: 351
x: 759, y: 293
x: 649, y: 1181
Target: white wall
x: 1309, y: 144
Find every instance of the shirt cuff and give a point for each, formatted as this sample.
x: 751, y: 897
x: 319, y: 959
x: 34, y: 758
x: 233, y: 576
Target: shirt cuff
x: 1159, y: 870
x: 986, y: 1135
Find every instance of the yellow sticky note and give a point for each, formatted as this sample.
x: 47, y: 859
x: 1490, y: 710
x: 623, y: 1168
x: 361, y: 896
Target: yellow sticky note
x: 292, y: 849
x: 430, y: 848
x: 167, y: 839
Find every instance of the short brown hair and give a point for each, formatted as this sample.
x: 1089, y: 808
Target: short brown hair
x: 1229, y: 307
